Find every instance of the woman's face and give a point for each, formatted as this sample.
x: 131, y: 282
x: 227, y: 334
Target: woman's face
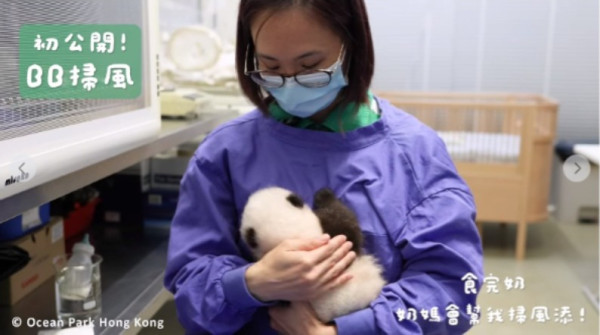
x: 293, y: 40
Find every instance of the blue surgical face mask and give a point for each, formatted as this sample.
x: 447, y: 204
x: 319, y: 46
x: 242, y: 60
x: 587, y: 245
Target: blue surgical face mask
x: 303, y: 101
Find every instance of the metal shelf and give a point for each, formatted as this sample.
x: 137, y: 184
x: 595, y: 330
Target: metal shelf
x: 126, y: 294
x: 130, y: 293
x: 172, y: 134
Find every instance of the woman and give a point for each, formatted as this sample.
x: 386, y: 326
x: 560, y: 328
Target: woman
x: 307, y: 65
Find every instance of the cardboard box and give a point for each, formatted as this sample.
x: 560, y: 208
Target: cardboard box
x: 42, y: 245
x: 166, y: 173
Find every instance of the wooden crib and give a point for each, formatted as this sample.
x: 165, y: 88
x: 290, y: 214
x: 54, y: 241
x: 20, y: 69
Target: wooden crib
x: 502, y: 146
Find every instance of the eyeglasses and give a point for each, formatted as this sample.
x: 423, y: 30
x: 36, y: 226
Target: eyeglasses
x: 309, y: 78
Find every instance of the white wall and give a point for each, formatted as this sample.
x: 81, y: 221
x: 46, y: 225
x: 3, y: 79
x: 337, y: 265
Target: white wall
x: 219, y: 15
x: 177, y: 13
x: 532, y: 46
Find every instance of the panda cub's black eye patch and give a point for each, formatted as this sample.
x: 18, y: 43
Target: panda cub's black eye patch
x: 251, y: 237
x: 295, y: 200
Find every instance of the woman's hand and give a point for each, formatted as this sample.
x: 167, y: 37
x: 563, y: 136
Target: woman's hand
x: 301, y: 269
x: 298, y: 318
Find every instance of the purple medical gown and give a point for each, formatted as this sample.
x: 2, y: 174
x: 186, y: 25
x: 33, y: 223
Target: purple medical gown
x: 416, y: 213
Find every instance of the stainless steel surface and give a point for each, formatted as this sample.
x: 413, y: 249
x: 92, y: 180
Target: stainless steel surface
x: 124, y: 299
x: 132, y: 273
x: 172, y: 134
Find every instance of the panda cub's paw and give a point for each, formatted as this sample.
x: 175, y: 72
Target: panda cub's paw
x: 323, y: 198
x: 274, y: 214
x: 337, y: 219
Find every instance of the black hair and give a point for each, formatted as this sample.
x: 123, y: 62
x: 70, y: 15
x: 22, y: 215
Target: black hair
x: 347, y: 18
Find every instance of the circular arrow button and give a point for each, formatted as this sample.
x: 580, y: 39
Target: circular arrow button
x: 577, y: 168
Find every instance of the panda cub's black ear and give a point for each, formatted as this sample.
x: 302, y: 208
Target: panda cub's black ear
x: 295, y: 200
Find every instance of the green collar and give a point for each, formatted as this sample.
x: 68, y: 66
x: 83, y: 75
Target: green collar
x: 367, y: 115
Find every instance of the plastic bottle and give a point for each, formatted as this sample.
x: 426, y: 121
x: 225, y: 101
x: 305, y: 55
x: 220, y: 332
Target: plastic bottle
x: 78, y: 282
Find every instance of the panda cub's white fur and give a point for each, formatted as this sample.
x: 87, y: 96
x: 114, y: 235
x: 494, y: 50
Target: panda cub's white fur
x: 356, y: 294
x: 276, y: 214
x: 275, y: 219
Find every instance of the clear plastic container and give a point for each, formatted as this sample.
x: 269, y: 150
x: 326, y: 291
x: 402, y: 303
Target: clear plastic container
x: 78, y: 277
x: 77, y: 284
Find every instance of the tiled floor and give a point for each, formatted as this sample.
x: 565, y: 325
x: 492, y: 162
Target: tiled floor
x: 561, y: 259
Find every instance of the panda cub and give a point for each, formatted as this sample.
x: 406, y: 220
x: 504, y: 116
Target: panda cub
x: 275, y: 214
